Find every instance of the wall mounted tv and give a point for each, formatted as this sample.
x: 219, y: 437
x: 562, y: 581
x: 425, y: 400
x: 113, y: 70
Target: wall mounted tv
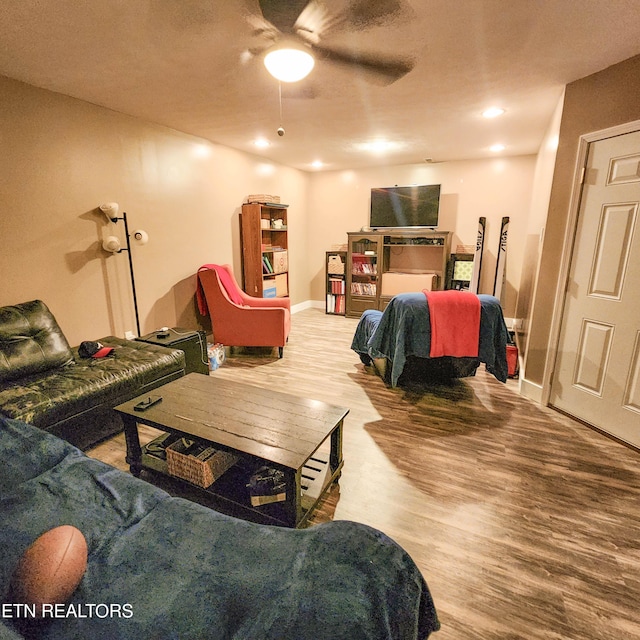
x: 412, y: 206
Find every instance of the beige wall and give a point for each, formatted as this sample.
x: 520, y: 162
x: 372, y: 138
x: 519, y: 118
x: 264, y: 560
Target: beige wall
x: 339, y: 202
x: 597, y: 102
x: 61, y: 158
x: 543, y: 178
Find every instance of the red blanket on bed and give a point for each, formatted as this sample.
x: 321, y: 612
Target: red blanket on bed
x: 455, y: 323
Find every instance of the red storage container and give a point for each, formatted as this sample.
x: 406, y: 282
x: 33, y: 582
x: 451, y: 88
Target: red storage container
x: 512, y: 361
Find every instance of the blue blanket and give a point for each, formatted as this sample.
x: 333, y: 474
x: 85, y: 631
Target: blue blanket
x: 191, y: 573
x: 403, y: 330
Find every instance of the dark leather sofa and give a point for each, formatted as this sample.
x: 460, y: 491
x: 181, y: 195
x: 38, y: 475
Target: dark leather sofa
x: 44, y: 382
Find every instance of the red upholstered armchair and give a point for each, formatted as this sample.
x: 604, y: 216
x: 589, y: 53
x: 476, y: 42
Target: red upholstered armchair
x: 238, y: 319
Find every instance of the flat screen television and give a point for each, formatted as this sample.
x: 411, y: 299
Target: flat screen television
x: 413, y: 206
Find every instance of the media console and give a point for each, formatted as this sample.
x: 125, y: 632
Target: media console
x: 415, y: 259
x: 438, y: 240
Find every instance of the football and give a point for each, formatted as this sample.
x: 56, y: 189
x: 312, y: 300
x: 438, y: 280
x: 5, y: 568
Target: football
x: 50, y: 570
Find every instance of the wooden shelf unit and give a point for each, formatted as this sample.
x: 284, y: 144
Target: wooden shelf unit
x: 335, y: 282
x: 364, y: 255
x: 371, y: 254
x: 265, y: 259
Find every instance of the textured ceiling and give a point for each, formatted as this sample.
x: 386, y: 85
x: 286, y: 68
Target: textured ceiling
x: 185, y: 64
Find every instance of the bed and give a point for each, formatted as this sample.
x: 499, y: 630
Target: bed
x: 191, y: 573
x: 398, y: 342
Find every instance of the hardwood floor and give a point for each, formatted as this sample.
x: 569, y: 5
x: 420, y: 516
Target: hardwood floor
x: 525, y: 524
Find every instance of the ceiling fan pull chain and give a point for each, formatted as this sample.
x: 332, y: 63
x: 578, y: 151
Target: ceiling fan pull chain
x: 280, y: 128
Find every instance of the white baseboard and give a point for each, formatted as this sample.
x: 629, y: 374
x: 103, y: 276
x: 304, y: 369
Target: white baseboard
x: 307, y: 304
x: 531, y: 390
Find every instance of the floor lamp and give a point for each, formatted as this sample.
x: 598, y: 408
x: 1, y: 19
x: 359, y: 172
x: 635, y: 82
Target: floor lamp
x: 112, y: 245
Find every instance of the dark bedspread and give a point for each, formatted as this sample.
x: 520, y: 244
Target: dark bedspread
x: 403, y: 330
x: 192, y: 573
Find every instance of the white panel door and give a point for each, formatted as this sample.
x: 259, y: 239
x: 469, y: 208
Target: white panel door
x: 597, y: 372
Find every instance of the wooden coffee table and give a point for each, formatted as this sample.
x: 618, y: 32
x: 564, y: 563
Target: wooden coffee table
x: 299, y: 436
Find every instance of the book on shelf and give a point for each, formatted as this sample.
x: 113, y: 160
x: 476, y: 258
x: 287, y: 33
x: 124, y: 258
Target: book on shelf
x: 336, y: 285
x: 363, y: 289
x: 266, y: 265
x: 335, y: 303
x: 364, y: 268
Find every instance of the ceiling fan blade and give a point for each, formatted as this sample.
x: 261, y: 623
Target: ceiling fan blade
x: 261, y: 28
x: 363, y: 14
x: 385, y: 70
x: 312, y: 22
x: 282, y: 14
x: 359, y: 15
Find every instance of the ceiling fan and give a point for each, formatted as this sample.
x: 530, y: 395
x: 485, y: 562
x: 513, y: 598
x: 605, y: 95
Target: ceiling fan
x: 303, y: 25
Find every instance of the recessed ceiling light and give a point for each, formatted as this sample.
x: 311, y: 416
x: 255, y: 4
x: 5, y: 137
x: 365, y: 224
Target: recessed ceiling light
x: 317, y: 164
x: 492, y: 112
x: 497, y: 147
x: 378, y: 146
x: 261, y: 143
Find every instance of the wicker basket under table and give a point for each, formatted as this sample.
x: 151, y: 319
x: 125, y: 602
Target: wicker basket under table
x: 202, y: 470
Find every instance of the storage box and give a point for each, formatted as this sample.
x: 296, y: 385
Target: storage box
x: 335, y: 266
x: 394, y: 283
x: 262, y: 198
x: 269, y: 290
x: 198, y: 463
x: 282, y: 286
x: 193, y: 343
x: 512, y: 361
x: 280, y: 261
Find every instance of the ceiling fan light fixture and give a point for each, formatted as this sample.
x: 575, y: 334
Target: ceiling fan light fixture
x: 289, y: 63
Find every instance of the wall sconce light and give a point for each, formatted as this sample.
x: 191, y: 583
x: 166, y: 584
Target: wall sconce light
x: 112, y: 245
